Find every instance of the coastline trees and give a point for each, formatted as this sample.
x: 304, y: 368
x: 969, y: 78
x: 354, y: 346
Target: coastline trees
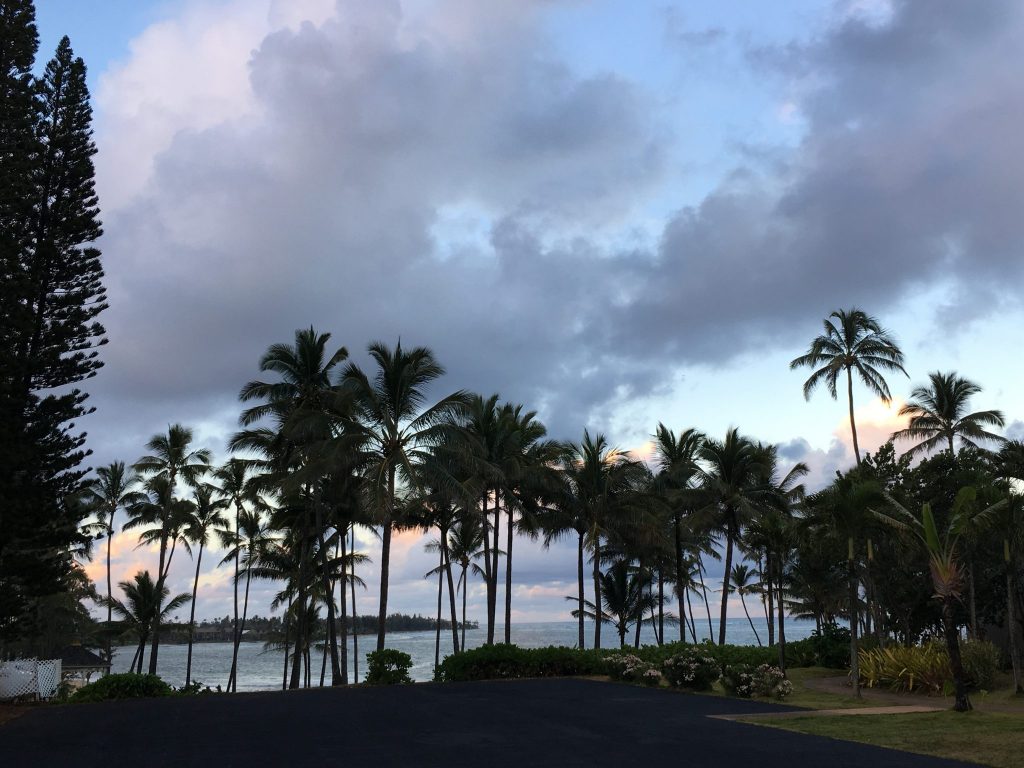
x: 853, y: 341
x: 200, y: 523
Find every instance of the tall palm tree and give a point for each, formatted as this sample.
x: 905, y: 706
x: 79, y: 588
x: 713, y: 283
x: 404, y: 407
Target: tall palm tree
x: 732, y: 479
x: 602, y: 487
x: 142, y: 608
x: 853, y: 341
x: 743, y: 584
x: 938, y: 415
x: 111, y: 490
x: 398, y: 430
x: 171, y: 458
x: 465, y: 545
x: 306, y: 409
x: 203, y: 519
x: 677, y: 473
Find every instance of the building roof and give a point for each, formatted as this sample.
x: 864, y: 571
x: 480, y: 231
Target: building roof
x: 77, y: 657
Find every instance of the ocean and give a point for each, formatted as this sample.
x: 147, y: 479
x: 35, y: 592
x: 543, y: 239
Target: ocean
x: 260, y: 670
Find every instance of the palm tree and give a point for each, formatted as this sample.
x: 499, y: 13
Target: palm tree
x: 143, y: 607
x: 742, y: 582
x: 938, y: 415
x: 853, y: 341
x: 171, y: 458
x: 944, y: 565
x: 465, y: 544
x: 235, y: 484
x: 602, y: 490
x: 111, y: 490
x: 1010, y: 469
x: 731, y: 478
x: 624, y: 598
x: 677, y: 472
x: 398, y: 430
x: 204, y: 517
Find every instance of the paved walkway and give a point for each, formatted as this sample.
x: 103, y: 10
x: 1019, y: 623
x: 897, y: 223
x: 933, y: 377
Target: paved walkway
x: 558, y: 722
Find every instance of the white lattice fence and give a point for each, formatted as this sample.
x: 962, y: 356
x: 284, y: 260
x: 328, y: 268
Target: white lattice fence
x: 29, y: 678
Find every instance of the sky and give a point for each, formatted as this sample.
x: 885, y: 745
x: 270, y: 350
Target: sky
x: 616, y: 213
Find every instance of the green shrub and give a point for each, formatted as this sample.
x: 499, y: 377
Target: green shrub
x: 505, y: 662
x: 738, y: 680
x: 122, y: 686
x: 388, y: 667
x: 981, y: 663
x: 693, y: 669
x: 906, y: 669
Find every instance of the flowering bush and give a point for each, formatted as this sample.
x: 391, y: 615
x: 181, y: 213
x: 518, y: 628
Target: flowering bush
x: 738, y: 680
x: 770, y: 682
x: 632, y: 669
x: 691, y: 669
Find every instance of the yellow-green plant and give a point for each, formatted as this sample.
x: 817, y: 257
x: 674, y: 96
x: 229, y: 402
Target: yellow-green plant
x: 915, y: 668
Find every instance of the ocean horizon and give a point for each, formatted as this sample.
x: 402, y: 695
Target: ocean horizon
x: 262, y: 670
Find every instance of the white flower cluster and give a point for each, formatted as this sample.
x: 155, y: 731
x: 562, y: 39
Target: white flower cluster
x: 633, y: 669
x: 691, y: 669
x: 771, y: 682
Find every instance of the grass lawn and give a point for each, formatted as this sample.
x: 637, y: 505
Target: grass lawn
x: 989, y: 738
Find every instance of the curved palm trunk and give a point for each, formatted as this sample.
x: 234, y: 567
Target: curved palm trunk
x: 853, y: 423
x: 488, y: 581
x: 693, y: 621
x: 579, y: 579
x: 961, y: 702
x: 492, y: 595
x: 661, y: 607
x: 451, y: 592
x: 385, y: 562
x: 749, y: 621
x: 704, y: 590
x: 156, y: 619
x: 597, y: 591
x: 241, y: 626
x: 725, y: 585
x: 508, y: 579
x: 192, y: 617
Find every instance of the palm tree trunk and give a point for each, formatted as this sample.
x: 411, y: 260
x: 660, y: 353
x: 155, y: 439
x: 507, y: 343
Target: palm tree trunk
x: 192, y: 617
x: 301, y: 619
x: 677, y: 532
x: 325, y: 580
x: 854, y: 657
x: 451, y: 591
x: 234, y: 624
x: 440, y: 602
x: 753, y: 629
x: 355, y: 616
x: 704, y: 589
x: 693, y: 620
x: 508, y: 577
x: 636, y: 631
x: 597, y: 590
x: 1011, y: 622
x: 853, y: 423
x: 385, y: 562
x: 489, y: 583
x: 287, y: 644
x: 961, y: 702
x: 725, y: 585
x: 492, y: 601
x: 661, y: 607
x: 142, y: 651
x: 579, y: 579
x: 973, y: 629
x: 110, y: 592
x: 464, y: 589
x: 782, y: 626
x: 770, y: 588
x: 340, y: 548
x: 241, y: 626
x: 159, y: 589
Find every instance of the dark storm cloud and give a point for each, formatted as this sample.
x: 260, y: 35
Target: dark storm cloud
x: 322, y: 206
